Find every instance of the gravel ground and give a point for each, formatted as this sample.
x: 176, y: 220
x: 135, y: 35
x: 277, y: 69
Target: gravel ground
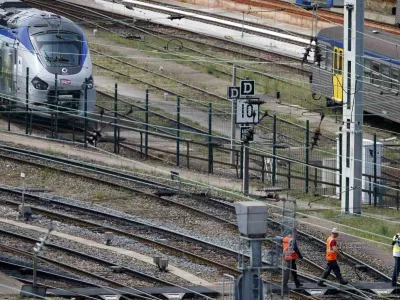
x: 182, y: 262
x: 88, y: 265
x: 43, y: 266
x: 231, y: 244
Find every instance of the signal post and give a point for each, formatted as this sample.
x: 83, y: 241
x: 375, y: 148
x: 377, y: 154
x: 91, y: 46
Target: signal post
x: 247, y: 113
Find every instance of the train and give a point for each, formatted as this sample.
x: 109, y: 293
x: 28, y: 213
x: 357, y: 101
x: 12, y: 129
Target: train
x: 307, y: 4
x: 381, y: 71
x: 322, y: 3
x: 45, y: 62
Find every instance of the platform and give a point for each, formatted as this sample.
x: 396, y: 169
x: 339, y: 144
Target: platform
x: 9, y: 286
x: 312, y: 289
x: 161, y: 292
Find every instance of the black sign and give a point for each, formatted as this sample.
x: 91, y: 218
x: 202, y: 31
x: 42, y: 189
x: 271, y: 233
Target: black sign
x: 247, y: 88
x: 233, y: 92
x: 246, y: 134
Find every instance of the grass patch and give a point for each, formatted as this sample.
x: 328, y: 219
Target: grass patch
x: 211, y: 69
x: 99, y: 195
x: 50, y: 151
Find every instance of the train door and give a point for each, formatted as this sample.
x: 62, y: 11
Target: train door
x: 337, y: 76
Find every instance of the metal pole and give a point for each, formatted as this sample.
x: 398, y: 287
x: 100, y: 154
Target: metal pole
x: 375, y: 174
x: 26, y: 101
x: 340, y: 165
x: 9, y: 115
x: 397, y: 196
x: 85, y: 116
x: 353, y: 105
x: 241, y: 161
x: 178, y: 128
x: 34, y: 283
x: 23, y: 189
x: 307, y: 153
x: 274, y: 153
x: 115, y: 118
x: 146, y: 120
x: 210, y: 150
x: 246, y: 175
x: 243, y: 24
x: 233, y: 118
x: 56, y: 102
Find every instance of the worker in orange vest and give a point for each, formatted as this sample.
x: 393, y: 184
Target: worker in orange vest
x: 332, y: 252
x: 291, y: 252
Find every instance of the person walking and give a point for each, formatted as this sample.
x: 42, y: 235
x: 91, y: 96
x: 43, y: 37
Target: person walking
x: 396, y: 255
x: 332, y: 253
x: 291, y: 253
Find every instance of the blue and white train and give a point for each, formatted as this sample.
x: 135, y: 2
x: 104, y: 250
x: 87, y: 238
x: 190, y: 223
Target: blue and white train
x: 47, y: 46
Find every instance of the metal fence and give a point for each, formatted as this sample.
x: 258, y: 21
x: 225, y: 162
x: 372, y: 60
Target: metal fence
x: 196, y: 135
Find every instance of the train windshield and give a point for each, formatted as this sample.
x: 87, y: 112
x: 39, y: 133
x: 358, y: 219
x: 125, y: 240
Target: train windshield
x: 59, y: 49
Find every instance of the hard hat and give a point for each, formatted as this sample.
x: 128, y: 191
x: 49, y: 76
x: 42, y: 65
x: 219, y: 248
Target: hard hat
x: 334, y: 230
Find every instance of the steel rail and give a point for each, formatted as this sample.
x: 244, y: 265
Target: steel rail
x: 79, y: 270
x: 91, y: 224
x: 351, y: 258
x: 231, y: 207
x: 135, y: 190
x: 232, y: 19
x: 87, y: 166
x: 86, y: 256
x: 196, y: 210
x: 189, y: 48
x: 47, y: 273
x: 160, y: 75
x: 219, y: 24
x: 233, y: 51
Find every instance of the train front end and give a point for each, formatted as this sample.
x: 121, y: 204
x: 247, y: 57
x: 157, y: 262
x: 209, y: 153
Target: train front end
x: 60, y: 68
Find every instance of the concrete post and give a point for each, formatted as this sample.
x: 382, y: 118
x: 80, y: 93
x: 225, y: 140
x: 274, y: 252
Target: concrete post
x: 353, y: 106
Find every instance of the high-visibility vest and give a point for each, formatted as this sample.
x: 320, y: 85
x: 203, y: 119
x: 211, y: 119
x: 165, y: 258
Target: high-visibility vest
x: 330, y: 253
x: 396, y: 246
x: 288, y: 249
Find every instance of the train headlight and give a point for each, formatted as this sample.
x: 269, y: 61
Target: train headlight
x: 39, y: 84
x: 89, y: 83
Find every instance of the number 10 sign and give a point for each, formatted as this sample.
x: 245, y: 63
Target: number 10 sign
x: 246, y: 113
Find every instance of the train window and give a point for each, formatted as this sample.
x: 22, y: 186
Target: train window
x: 376, y: 76
x: 395, y: 78
x: 367, y: 70
x: 335, y: 60
x: 386, y: 76
x: 340, y: 58
x: 323, y: 58
x: 328, y: 59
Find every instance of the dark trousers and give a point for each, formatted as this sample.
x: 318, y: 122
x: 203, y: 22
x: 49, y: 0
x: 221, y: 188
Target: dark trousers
x: 290, y: 267
x: 332, y: 265
x: 396, y: 270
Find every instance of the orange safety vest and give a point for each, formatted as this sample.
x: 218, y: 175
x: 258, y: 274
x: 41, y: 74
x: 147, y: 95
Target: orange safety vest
x: 330, y: 254
x: 288, y: 251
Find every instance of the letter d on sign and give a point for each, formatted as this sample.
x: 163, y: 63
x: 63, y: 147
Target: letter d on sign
x: 247, y: 88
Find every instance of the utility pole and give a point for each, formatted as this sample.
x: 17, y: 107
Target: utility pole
x: 353, y: 106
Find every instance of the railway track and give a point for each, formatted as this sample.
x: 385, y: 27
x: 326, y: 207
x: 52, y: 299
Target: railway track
x: 226, y: 22
x: 225, y: 212
x: 92, y: 263
x: 98, y: 14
